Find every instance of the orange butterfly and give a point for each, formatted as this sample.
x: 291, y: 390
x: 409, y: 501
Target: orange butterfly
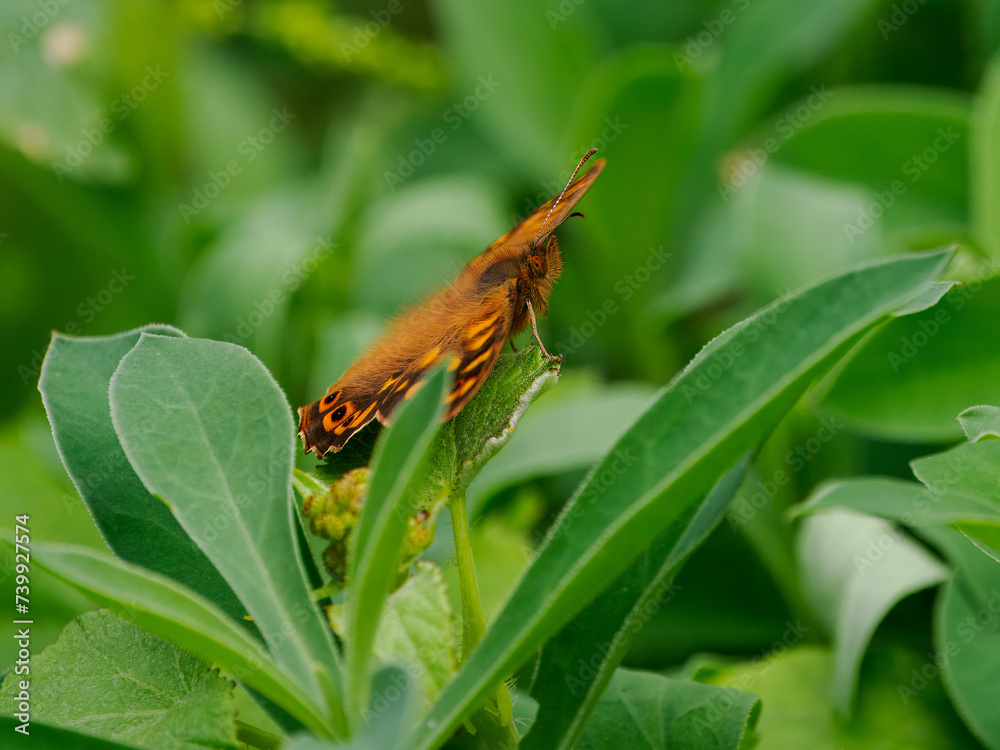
x: 493, y: 299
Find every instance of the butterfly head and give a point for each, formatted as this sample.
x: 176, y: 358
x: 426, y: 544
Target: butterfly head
x: 538, y: 261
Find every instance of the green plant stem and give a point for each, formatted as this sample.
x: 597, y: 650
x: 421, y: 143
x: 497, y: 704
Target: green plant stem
x: 473, y: 622
x: 496, y: 729
x: 255, y: 737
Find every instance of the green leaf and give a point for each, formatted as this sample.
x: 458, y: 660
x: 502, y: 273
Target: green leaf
x: 645, y: 711
x: 790, y: 228
x: 876, y: 137
x: 136, y: 526
x: 109, y: 678
x: 723, y: 403
x: 854, y: 570
x: 973, y: 471
x: 398, y: 471
x: 985, y: 161
x: 911, y: 378
x: 209, y: 431
x: 793, y: 684
x: 416, y: 630
x: 909, y: 503
x: 576, y: 665
x: 47, y: 737
x: 168, y: 610
x: 980, y: 422
x: 767, y: 43
x: 966, y: 640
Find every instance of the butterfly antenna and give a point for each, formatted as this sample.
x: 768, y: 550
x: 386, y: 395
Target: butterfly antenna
x: 583, y: 161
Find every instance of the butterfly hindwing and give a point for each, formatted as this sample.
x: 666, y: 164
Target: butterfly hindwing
x: 329, y: 423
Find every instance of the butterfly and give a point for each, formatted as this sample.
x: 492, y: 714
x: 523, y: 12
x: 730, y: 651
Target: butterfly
x: 467, y: 323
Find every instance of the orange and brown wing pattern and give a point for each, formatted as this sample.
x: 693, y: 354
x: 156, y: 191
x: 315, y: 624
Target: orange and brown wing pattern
x: 329, y: 423
x: 527, y: 230
x: 478, y: 347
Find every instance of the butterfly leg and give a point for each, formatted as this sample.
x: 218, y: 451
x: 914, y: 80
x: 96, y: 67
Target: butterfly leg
x: 513, y: 348
x: 534, y: 329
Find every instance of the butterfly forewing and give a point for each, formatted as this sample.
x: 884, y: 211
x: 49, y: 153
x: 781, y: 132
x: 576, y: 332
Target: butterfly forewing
x: 480, y: 344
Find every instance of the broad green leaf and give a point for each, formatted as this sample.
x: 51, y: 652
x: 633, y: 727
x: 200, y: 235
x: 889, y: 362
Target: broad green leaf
x: 398, y: 471
x: 137, y: 526
x: 765, y: 44
x: 723, y: 403
x: 47, y: 737
x: 854, y: 570
x: 985, y: 161
x: 913, y: 376
x: 793, y: 684
x: 172, y: 612
x: 973, y: 471
x: 576, y: 665
x: 645, y: 711
x: 416, y: 630
x: 980, y: 422
x: 110, y: 678
x: 791, y: 228
x: 907, y: 149
x: 966, y: 651
x: 209, y: 431
x: 909, y: 503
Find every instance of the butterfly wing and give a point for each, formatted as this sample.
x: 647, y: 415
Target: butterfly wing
x: 480, y: 343
x: 351, y: 404
x: 527, y: 230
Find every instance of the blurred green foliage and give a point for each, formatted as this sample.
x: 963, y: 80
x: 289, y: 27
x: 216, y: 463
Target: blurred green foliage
x: 285, y: 174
